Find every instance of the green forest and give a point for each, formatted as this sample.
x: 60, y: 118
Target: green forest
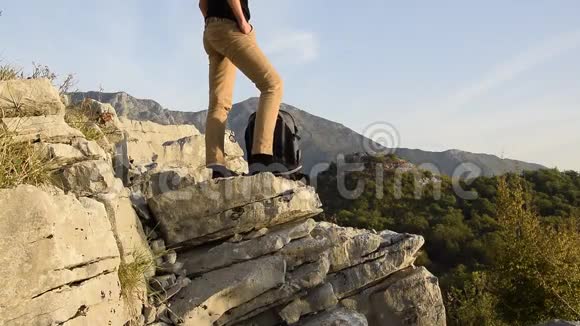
x: 508, y: 257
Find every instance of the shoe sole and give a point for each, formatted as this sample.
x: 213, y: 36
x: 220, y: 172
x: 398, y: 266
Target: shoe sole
x: 286, y: 173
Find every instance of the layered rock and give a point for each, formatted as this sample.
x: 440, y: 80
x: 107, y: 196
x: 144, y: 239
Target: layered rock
x: 216, y: 210
x: 409, y: 297
x: 236, y: 251
x: 256, y: 258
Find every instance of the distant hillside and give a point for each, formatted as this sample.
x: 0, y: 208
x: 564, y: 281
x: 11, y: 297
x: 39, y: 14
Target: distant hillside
x: 322, y: 139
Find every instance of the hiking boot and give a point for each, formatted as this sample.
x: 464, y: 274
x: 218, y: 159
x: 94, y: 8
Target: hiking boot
x: 220, y: 171
x: 261, y: 163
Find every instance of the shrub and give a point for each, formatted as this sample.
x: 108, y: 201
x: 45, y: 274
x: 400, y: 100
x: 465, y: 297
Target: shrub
x: 535, y: 275
x: 84, y: 119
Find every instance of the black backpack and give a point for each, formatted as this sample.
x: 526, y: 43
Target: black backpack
x: 286, y: 141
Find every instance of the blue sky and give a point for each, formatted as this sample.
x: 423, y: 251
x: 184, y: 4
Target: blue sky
x: 499, y: 77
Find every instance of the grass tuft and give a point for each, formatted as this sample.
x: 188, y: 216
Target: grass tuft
x: 133, y: 278
x: 21, y: 163
x: 9, y: 72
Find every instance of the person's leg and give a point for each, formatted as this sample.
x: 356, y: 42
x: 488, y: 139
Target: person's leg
x: 222, y: 75
x: 244, y: 52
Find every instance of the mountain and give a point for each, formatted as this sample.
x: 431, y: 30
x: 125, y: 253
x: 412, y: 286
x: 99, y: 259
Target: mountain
x: 322, y: 140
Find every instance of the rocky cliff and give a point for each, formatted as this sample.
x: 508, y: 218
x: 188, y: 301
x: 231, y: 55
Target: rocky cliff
x: 131, y: 231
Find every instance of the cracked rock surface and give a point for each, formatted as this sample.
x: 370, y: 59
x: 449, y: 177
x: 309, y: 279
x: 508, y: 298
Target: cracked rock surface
x: 57, y: 236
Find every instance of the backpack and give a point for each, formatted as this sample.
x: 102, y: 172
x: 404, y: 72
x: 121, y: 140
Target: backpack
x: 286, y: 140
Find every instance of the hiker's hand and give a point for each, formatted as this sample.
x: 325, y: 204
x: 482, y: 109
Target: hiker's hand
x: 245, y: 28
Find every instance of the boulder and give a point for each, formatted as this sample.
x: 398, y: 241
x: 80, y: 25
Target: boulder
x: 170, y: 147
x: 336, y: 317
x: 61, y: 256
x: 50, y: 129
x: 208, y: 297
x: 90, y: 149
x: 29, y: 97
x: 60, y: 154
x: 408, y: 297
x: 218, y: 209
x: 90, y: 178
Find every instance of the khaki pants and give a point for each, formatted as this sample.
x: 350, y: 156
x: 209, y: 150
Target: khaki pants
x: 227, y: 49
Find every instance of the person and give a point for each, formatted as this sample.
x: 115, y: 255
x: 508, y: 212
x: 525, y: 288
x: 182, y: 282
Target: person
x: 230, y: 42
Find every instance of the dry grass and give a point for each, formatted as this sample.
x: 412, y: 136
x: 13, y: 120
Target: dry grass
x: 133, y: 278
x: 21, y: 163
x: 8, y: 72
x: 81, y: 117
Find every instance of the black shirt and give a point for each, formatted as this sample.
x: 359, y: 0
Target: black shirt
x: 222, y: 9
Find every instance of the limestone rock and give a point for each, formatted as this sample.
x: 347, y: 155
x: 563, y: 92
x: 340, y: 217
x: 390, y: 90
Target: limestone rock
x: 408, y: 297
x: 296, y: 283
x: 203, y: 259
x: 305, y: 250
x: 129, y: 234
x: 170, y: 147
x: 217, y: 209
x: 558, y: 322
x: 79, y: 150
x: 60, y: 154
x: 51, y: 128
x: 29, y: 97
x: 394, y: 257
x: 153, y: 132
x: 169, y: 179
x: 349, y: 245
x: 90, y: 149
x: 49, y: 250
x: 337, y: 317
x: 208, y: 297
x: 213, y: 197
x: 173, y: 146
x: 89, y: 178
x: 319, y: 299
